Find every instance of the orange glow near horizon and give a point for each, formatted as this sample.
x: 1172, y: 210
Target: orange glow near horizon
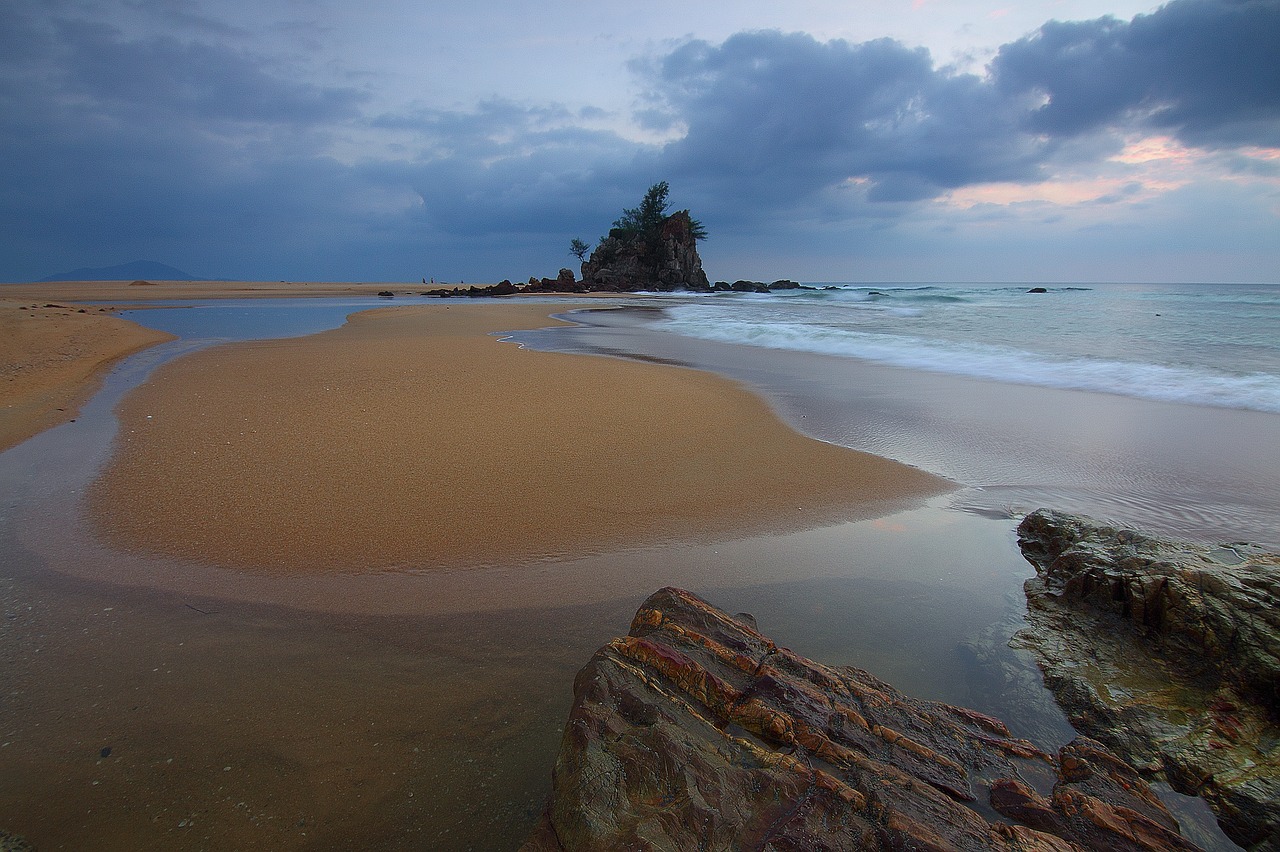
x: 1156, y: 148
x: 1062, y: 192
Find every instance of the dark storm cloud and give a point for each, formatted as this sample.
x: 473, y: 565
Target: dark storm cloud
x: 1207, y: 71
x: 199, y: 137
x: 190, y: 79
x: 782, y: 117
x: 115, y: 144
x: 504, y: 166
x: 777, y: 115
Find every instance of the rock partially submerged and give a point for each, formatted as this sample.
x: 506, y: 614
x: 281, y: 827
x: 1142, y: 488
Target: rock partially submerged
x: 695, y: 731
x: 1167, y: 653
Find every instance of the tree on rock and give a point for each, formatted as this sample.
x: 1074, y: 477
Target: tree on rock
x: 647, y: 248
x: 579, y: 249
x: 648, y: 218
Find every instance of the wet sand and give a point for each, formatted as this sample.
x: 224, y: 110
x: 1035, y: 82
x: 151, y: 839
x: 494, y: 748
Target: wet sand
x: 143, y: 717
x: 147, y: 714
x: 52, y: 359
x: 411, y: 437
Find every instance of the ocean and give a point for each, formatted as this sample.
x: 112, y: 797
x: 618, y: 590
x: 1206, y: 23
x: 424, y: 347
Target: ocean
x: 1145, y: 404
x: 1200, y: 344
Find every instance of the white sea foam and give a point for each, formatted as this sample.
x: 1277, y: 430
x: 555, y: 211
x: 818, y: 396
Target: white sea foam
x: 1198, y: 386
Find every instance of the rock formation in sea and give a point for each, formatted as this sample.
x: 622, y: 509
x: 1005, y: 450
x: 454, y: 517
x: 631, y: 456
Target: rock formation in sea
x: 665, y: 258
x: 1169, y: 654
x: 695, y: 731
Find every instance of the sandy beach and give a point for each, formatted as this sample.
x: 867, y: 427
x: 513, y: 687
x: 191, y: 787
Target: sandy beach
x: 256, y: 713
x: 52, y: 357
x: 413, y: 437
x: 159, y: 701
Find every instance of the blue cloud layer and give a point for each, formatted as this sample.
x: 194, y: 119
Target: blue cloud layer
x: 205, y: 151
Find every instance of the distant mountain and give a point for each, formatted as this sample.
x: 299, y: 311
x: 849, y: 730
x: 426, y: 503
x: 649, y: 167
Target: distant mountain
x: 138, y: 269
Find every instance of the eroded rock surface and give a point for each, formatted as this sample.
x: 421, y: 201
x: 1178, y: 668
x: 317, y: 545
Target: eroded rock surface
x: 695, y: 731
x: 1167, y: 653
x: 665, y: 260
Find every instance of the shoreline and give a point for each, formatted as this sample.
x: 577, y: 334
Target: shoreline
x: 148, y: 291
x: 423, y: 441
x: 53, y: 358
x: 434, y: 699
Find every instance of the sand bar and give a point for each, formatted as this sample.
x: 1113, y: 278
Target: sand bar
x: 411, y: 437
x: 52, y: 358
x: 142, y: 291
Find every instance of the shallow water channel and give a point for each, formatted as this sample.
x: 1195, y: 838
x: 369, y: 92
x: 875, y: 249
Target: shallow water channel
x: 150, y: 705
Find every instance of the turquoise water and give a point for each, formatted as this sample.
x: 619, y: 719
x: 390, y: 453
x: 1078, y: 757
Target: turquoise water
x: 1199, y: 344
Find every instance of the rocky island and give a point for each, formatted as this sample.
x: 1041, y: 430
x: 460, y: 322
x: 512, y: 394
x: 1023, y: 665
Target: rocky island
x: 648, y: 249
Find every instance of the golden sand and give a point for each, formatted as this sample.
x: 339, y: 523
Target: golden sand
x: 52, y: 359
x: 412, y: 437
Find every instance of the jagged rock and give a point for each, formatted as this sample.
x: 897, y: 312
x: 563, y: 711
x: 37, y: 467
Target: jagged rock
x: 1169, y: 654
x: 638, y: 261
x: 695, y: 731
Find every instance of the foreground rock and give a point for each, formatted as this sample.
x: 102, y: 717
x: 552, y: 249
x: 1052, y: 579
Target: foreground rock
x: 1167, y: 653
x: 694, y: 731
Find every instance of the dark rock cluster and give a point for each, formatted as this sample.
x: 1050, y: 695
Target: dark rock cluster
x: 694, y: 731
x: 629, y: 260
x: 566, y: 283
x: 1169, y: 653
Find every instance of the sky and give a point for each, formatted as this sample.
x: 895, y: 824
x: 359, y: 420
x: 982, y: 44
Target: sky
x: 882, y: 140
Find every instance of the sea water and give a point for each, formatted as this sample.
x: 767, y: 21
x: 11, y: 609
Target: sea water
x: 1156, y: 406
x: 1199, y: 344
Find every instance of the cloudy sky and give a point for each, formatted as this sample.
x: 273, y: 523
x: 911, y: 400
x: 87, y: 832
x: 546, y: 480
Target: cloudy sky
x: 821, y: 140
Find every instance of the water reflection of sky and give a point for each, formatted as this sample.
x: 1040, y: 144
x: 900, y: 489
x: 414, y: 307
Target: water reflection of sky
x: 256, y: 319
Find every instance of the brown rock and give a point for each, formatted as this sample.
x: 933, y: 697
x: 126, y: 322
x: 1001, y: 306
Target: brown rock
x: 695, y: 731
x: 664, y: 261
x: 1169, y: 653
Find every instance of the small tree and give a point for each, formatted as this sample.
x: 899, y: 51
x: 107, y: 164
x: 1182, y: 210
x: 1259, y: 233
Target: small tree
x: 647, y: 218
x: 578, y: 248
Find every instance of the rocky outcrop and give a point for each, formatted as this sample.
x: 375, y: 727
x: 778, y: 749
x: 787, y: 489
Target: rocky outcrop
x: 695, y: 731
x: 1167, y: 653
x: 636, y: 260
x: 14, y: 843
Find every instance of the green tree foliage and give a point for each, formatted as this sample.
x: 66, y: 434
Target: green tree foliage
x: 578, y: 248
x: 647, y: 219
x: 696, y: 229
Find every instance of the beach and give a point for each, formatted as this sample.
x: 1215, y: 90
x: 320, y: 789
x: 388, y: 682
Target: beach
x: 52, y: 358
x: 266, y: 677
x: 56, y: 339
x: 332, y: 590
x: 412, y: 437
